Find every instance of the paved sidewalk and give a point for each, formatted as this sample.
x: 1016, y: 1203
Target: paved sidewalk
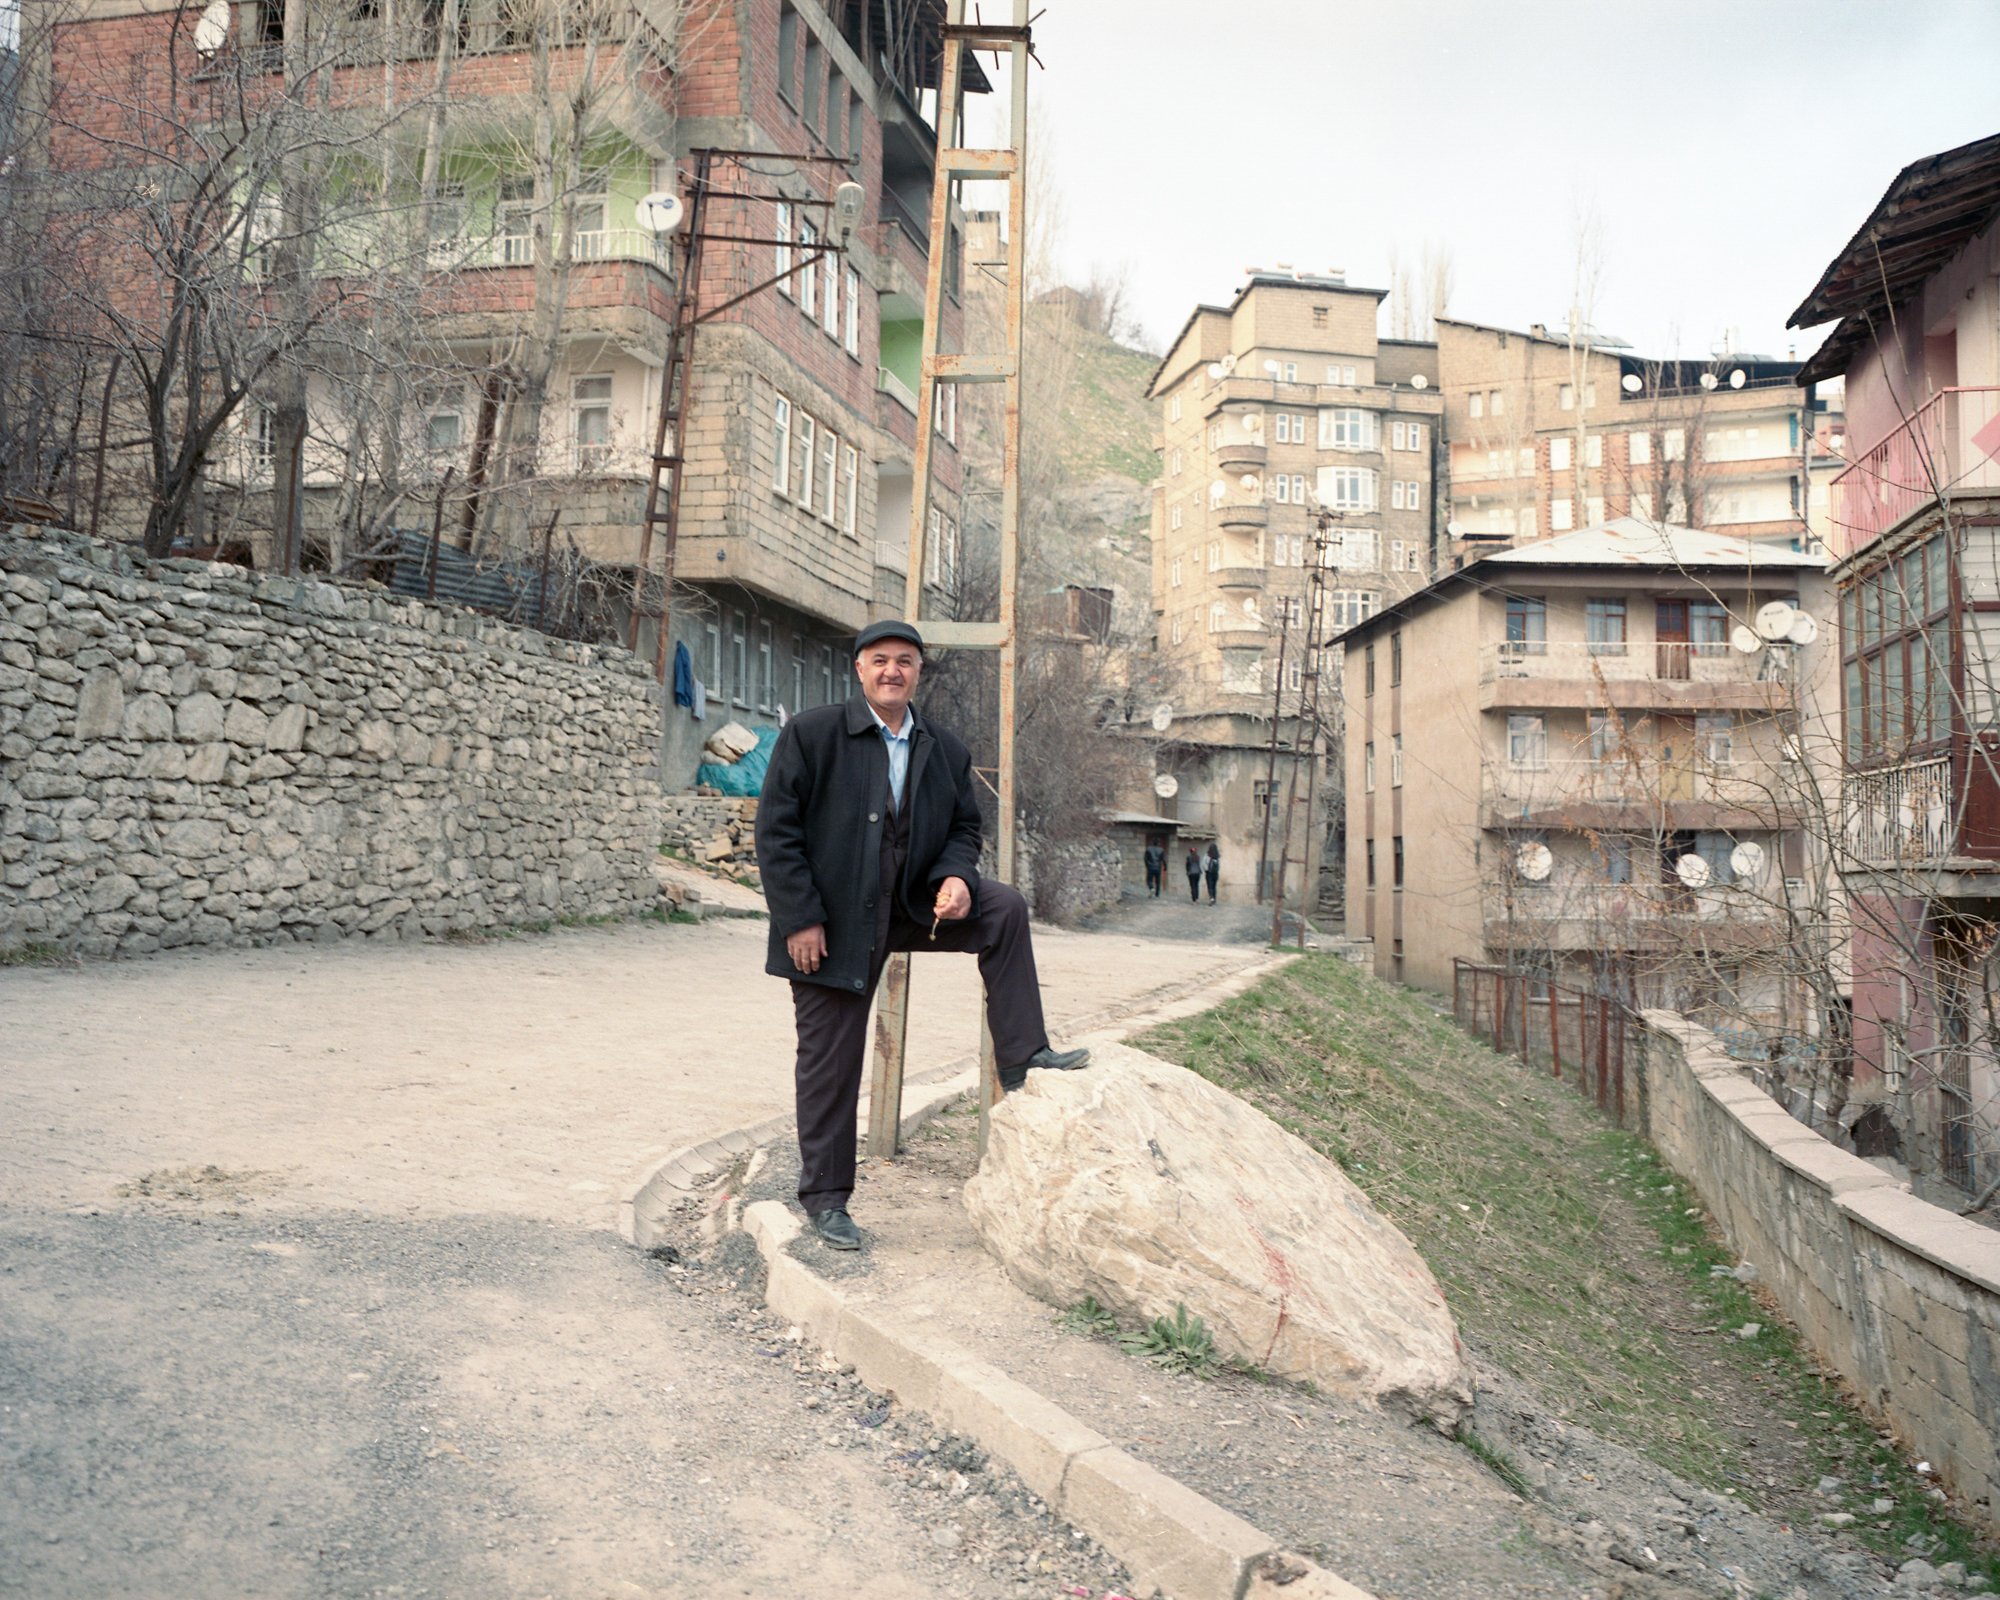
x: 533, y: 1077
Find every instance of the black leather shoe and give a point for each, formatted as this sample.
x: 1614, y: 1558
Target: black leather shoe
x: 1046, y: 1059
x: 836, y: 1229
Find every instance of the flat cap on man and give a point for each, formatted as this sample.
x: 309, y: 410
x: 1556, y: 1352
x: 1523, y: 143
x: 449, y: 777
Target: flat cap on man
x: 889, y: 628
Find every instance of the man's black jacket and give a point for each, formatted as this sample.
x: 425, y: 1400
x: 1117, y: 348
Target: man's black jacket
x: 819, y: 834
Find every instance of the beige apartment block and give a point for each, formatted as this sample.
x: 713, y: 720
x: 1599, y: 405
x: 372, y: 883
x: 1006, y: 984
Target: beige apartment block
x: 1548, y: 435
x: 1278, y: 406
x: 1539, y: 742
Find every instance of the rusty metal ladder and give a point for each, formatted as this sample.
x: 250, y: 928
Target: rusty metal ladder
x: 956, y: 164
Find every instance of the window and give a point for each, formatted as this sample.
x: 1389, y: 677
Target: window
x: 854, y: 126
x: 1606, y: 736
x: 444, y: 426
x: 590, y: 422
x: 826, y: 675
x: 1319, y: 316
x: 739, y: 659
x: 1174, y: 516
x: 781, y: 446
x: 1215, y: 555
x: 1174, y: 409
x: 1349, y: 428
x: 1368, y: 766
x: 1406, y: 436
x: 1298, y: 488
x: 1527, y: 625
x: 262, y: 427
x: 1642, y: 504
x: 1527, y: 741
x: 1639, y: 448
x: 1395, y: 659
x: 850, y: 486
x: 1673, y: 445
x: 1281, y: 427
x: 798, y: 674
x: 851, y: 285
x: 1215, y: 615
x: 1368, y: 855
x: 1715, y: 848
x: 1713, y: 735
x: 1475, y: 404
x: 513, y: 218
x: 1559, y: 455
x: 1288, y: 549
x: 1347, y: 488
x: 829, y: 311
x: 804, y: 475
x: 788, y: 55
x: 1590, y: 397
x: 1336, y: 373
x: 1593, y: 450
x: 815, y: 84
x: 1562, y: 515
x: 1174, y: 464
x: 1496, y: 403
x: 1566, y: 396
x: 1347, y: 607
x: 767, y: 668
x: 1708, y: 627
x: 1281, y: 488
x: 1593, y: 509
x: 1291, y: 372
x: 1177, y: 629
x: 809, y: 273
x: 829, y: 460
x: 1174, y: 573
x: 1604, y: 626
x: 1397, y: 845
x: 1406, y: 494
x: 787, y: 286
x: 946, y: 406
x: 1614, y: 858
x: 1368, y: 669
x: 1395, y: 761
x: 711, y: 656
x: 1357, y: 550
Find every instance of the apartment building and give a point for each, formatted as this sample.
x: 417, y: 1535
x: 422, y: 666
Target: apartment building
x: 539, y: 296
x: 1274, y: 408
x: 1915, y: 514
x: 1561, y: 759
x: 1546, y: 436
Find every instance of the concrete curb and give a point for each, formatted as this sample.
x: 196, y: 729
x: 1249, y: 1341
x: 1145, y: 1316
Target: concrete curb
x: 657, y: 1190
x: 1172, y: 1538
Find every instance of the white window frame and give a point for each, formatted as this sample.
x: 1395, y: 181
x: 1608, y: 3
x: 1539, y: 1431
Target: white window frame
x: 1174, y: 465
x: 1559, y: 455
x: 850, y: 486
x: 809, y: 272
x: 829, y: 467
x: 829, y: 318
x: 1593, y: 450
x: 1349, y: 488
x: 851, y: 282
x: 1174, y: 408
x: 783, y: 261
x: 1562, y: 515
x: 1174, y: 573
x: 1281, y: 489
x: 595, y: 455
x: 781, y: 445
x: 1527, y: 741
x: 1174, y: 517
x: 1639, y: 447
x: 1565, y: 397
x: 1475, y: 405
x: 1395, y: 761
x: 1349, y: 428
x: 806, y: 473
x: 1215, y: 555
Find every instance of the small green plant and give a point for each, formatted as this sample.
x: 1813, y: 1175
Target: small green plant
x: 1088, y: 1320
x: 1179, y: 1343
x: 35, y: 953
x: 1498, y: 1462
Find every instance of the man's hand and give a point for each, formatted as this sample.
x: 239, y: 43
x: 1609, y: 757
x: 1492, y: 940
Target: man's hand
x: 807, y: 947
x: 954, y: 901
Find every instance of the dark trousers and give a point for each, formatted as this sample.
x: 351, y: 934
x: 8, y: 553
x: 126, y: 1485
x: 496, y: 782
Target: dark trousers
x: 1194, y: 886
x: 1211, y: 886
x: 1153, y: 880
x: 833, y: 1030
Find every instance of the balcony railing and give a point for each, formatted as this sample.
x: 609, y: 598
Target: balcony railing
x: 894, y: 387
x: 1950, y: 446
x: 1900, y: 816
x: 1634, y: 660
x: 1642, y: 781
x: 518, y: 250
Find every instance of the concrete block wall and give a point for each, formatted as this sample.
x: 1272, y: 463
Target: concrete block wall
x: 194, y: 754
x: 1898, y: 1296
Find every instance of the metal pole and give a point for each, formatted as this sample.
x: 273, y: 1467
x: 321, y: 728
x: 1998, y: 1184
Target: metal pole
x: 1271, y: 767
x: 1555, y: 1033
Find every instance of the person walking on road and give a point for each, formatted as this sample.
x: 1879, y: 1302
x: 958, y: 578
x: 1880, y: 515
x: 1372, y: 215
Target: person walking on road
x: 1194, y: 874
x: 868, y: 835
x: 1156, y: 869
x: 1214, y: 869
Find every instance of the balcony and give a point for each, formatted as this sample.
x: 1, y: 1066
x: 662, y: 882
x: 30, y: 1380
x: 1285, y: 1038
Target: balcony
x: 1640, y: 790
x: 1636, y: 676
x: 1241, y: 455
x: 1665, y: 916
x: 1940, y: 814
x: 886, y: 382
x: 1240, y: 516
x: 1247, y: 579
x: 1950, y: 447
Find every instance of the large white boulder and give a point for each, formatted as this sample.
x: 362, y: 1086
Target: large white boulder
x: 1141, y: 1184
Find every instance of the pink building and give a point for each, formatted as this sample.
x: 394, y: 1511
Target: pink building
x: 1916, y: 535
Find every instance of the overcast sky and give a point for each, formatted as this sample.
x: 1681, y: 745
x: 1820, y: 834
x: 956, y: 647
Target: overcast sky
x: 1725, y: 150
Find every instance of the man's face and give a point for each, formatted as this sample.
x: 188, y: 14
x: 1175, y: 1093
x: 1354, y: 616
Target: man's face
x: 888, y: 671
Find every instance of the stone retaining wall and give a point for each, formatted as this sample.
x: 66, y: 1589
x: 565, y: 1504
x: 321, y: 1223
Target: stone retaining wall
x: 1900, y: 1297
x: 193, y: 754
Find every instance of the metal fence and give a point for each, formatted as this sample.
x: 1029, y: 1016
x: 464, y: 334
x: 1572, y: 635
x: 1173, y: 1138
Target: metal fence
x: 1580, y: 1036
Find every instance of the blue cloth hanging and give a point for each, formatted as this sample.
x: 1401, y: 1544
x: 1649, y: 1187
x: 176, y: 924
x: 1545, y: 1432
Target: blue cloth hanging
x: 683, y: 676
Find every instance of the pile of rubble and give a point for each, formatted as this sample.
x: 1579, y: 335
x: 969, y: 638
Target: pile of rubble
x: 716, y: 832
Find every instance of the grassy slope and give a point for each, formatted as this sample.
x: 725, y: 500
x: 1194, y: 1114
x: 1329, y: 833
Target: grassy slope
x: 1109, y: 421
x: 1568, y: 1253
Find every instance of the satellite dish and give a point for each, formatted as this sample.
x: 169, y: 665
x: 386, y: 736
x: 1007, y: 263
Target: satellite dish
x: 1709, y: 380
x: 1217, y: 372
x: 1228, y: 364
x: 1774, y: 621
x: 1166, y: 786
x: 1803, y: 630
x: 1747, y: 860
x: 1250, y: 481
x: 1745, y: 640
x: 1454, y: 528
x: 1420, y: 382
x: 1163, y: 716
x: 1271, y: 367
x: 1217, y: 489
x: 660, y: 212
x: 211, y: 32
x: 1253, y: 423
x: 1738, y: 378
x: 1533, y: 861
x: 1631, y: 383
x: 1692, y: 871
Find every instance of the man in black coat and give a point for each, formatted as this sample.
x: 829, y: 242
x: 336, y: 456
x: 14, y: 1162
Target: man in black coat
x: 868, y: 837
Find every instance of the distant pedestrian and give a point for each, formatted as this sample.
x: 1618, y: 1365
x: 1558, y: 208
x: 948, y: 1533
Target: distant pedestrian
x: 1156, y: 869
x: 1214, y: 869
x: 1194, y: 874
